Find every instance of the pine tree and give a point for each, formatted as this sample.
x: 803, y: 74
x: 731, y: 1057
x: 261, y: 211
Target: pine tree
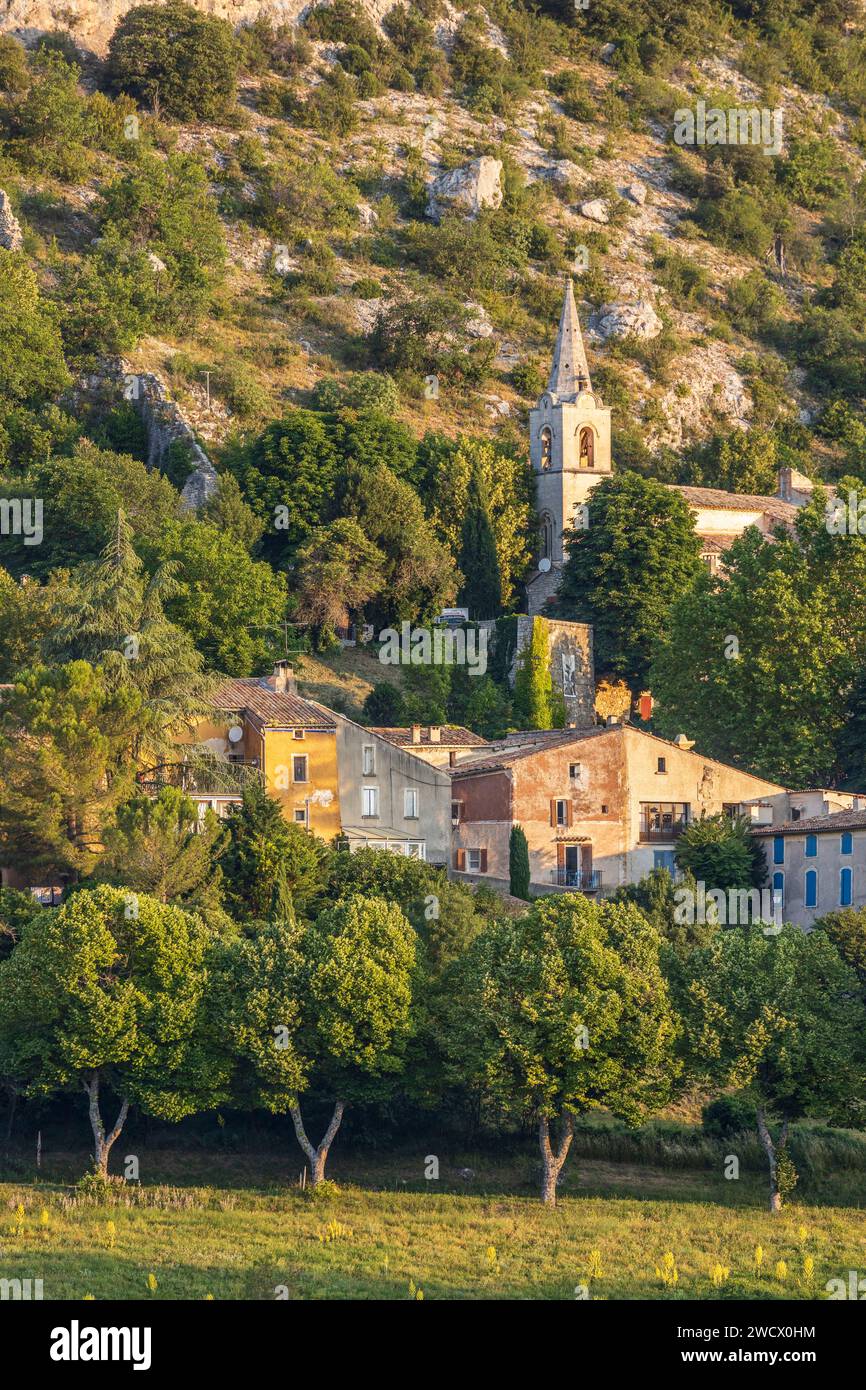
x: 479, y: 562
x: 518, y: 863
x: 112, y: 616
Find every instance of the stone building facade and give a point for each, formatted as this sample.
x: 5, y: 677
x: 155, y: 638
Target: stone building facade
x: 572, y: 666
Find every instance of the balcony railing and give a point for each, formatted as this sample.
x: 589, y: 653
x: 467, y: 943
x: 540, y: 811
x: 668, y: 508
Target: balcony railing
x: 586, y: 880
x: 201, y: 773
x: 662, y: 834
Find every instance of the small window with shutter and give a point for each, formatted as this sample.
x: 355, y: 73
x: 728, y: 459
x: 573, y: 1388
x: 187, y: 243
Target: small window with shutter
x: 460, y: 859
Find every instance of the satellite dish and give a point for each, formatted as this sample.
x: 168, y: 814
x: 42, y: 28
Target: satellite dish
x: 544, y: 564
x: 236, y: 733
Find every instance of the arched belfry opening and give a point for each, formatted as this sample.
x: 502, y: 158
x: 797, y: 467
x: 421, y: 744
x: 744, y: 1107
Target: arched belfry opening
x: 586, y: 447
x: 546, y: 536
x: 546, y: 446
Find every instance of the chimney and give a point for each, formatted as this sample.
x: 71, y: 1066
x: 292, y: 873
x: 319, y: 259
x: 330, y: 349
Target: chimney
x: 283, y: 679
x: 684, y: 743
x: 612, y: 720
x: 416, y: 733
x: 435, y: 733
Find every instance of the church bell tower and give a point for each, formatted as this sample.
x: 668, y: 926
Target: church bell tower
x: 569, y: 447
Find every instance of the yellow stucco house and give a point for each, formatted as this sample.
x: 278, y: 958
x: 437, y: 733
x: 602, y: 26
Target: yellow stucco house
x: 262, y: 730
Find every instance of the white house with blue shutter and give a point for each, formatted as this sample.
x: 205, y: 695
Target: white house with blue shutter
x: 817, y: 864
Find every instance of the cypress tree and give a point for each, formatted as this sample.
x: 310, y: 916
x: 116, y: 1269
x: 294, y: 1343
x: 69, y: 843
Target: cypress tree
x: 533, y: 685
x: 479, y: 562
x: 518, y: 863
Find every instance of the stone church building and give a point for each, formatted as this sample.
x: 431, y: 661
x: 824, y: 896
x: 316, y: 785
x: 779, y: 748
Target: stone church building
x: 569, y: 448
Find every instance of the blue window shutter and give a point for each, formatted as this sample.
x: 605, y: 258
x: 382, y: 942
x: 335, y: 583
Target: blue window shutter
x: 845, y: 888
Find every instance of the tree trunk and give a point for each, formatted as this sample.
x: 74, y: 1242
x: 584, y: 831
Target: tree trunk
x: 317, y: 1157
x: 553, y: 1159
x: 13, y: 1105
x: 772, y: 1157
x: 102, y: 1142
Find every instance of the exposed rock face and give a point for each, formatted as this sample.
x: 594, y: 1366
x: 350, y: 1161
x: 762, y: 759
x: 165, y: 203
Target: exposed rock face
x: 638, y: 320
x: 10, y: 229
x: 92, y: 22
x: 479, y: 325
x: 467, y: 190
x: 165, y: 423
x: 636, y: 192
x: 595, y: 210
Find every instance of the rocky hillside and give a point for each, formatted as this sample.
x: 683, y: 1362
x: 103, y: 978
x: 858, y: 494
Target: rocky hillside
x: 516, y: 151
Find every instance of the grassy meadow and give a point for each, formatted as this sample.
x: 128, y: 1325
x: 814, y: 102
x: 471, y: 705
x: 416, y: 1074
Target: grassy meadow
x: 237, y: 1226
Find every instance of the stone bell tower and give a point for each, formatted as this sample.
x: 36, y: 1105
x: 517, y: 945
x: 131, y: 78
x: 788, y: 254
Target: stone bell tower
x: 569, y: 447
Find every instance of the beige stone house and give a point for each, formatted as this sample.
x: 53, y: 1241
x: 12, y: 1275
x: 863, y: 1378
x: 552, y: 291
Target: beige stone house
x: 391, y: 795
x: 600, y: 807
x: 443, y: 745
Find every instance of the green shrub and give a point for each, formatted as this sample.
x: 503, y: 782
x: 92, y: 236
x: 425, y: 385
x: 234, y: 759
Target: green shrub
x: 14, y: 72
x: 176, y: 59
x: 728, y: 1115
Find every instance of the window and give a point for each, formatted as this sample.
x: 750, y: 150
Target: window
x: 546, y: 445
x: 369, y: 801
x: 301, y: 815
x: 560, y: 811
x: 662, y: 765
x: 663, y: 820
x: 574, y: 771
x: 603, y: 809
x: 811, y: 846
x: 586, y: 448
x: 847, y: 842
x: 455, y: 811
x: 368, y: 766
x: 476, y: 861
x: 297, y: 733
x: 410, y: 803
x: 417, y: 850
x: 845, y: 888
x: 665, y: 859
x: 796, y: 813
x: 778, y: 849
x: 299, y: 767
x: 778, y: 890
x: 811, y: 888
x: 731, y: 809
x: 546, y: 536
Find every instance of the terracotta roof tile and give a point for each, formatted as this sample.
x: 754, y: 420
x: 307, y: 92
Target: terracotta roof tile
x: 273, y: 710
x: 450, y: 736
x: 737, y: 501
x: 817, y: 825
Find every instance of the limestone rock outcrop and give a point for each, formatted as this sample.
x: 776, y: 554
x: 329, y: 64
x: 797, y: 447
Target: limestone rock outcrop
x: 638, y: 320
x: 467, y: 190
x: 10, y: 228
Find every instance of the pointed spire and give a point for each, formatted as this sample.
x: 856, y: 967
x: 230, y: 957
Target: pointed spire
x: 570, y: 371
